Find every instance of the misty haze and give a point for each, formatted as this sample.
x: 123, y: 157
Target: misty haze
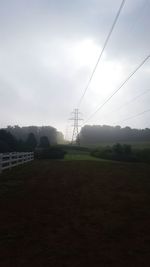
x: 74, y: 133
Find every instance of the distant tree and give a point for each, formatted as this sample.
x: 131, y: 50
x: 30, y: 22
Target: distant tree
x: 31, y: 142
x: 21, y: 146
x: 118, y: 152
x: 8, y: 140
x: 23, y: 132
x: 97, y: 134
x: 127, y: 149
x: 44, y: 142
x: 4, y: 147
x: 122, y: 152
x: 117, y: 149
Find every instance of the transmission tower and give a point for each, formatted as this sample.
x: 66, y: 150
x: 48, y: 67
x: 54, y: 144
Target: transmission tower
x: 75, y: 118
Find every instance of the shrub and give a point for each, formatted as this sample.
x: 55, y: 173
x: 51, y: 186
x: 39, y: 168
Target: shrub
x: 142, y: 155
x: 44, y: 142
x: 122, y: 152
x: 105, y: 153
x: 50, y: 153
x: 116, y: 152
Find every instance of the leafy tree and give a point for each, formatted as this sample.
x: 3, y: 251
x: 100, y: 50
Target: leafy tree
x: 4, y: 147
x: 21, y: 146
x: 8, y: 140
x: 127, y: 149
x: 116, y: 152
x: 44, y: 142
x: 118, y: 149
x: 97, y: 134
x: 31, y: 142
x: 23, y: 132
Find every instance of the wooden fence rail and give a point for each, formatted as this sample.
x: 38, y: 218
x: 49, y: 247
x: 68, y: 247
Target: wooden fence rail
x: 9, y: 160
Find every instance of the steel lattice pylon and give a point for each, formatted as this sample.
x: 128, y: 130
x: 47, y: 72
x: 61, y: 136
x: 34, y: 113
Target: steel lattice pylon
x: 76, y: 119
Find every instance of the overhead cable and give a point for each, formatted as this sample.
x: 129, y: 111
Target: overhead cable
x: 120, y: 87
x: 137, y: 115
x: 102, y: 51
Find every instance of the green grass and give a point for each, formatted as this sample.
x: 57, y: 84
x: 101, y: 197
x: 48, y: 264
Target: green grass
x: 80, y: 157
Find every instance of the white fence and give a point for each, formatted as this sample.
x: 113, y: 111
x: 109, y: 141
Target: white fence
x: 9, y: 160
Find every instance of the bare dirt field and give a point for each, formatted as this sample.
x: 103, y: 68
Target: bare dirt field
x: 75, y: 213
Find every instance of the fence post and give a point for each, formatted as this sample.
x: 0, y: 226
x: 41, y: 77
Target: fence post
x: 1, y: 163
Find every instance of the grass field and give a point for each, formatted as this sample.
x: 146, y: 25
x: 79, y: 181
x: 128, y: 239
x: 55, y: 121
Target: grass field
x: 80, y: 156
x: 75, y: 155
x: 75, y: 213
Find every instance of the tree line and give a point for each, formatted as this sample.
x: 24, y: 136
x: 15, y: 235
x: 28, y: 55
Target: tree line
x: 102, y: 134
x: 28, y: 138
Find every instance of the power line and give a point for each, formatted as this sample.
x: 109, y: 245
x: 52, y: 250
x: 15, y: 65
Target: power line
x: 132, y: 117
x: 116, y: 91
x: 131, y: 101
x: 102, y: 51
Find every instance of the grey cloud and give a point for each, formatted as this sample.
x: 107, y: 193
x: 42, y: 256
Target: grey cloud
x: 38, y: 75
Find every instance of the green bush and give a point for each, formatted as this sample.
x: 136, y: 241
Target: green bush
x: 50, y: 153
x: 142, y: 155
x: 120, y: 153
x: 104, y: 153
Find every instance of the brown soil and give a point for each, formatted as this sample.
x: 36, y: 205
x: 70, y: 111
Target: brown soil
x: 70, y: 214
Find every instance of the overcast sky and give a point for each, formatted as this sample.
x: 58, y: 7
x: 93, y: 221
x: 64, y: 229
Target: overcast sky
x: 48, y: 50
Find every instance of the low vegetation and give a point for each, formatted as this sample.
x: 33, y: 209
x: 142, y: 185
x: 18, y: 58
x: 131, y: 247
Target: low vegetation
x: 121, y: 152
x: 50, y: 153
